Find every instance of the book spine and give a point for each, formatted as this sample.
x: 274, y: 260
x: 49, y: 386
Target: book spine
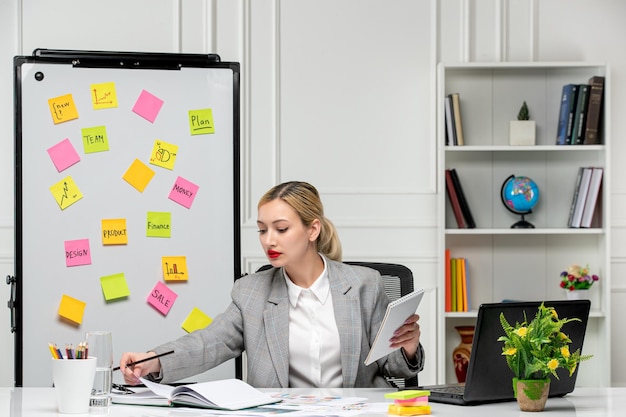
x: 459, y: 285
x: 594, y: 111
x: 450, y: 124
x: 458, y: 126
x: 448, y: 288
x: 453, y: 284
x: 583, y: 189
x: 578, y: 132
x: 467, y: 214
x: 566, y: 112
x: 454, y: 200
x: 592, y: 197
x: 572, y: 208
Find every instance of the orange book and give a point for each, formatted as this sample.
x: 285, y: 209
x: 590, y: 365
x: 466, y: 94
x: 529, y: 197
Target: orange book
x: 448, y: 283
x: 459, y: 285
x: 464, y: 280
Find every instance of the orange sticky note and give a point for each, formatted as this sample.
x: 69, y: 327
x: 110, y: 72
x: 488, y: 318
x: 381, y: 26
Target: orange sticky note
x: 174, y: 268
x: 63, y: 109
x: 72, y: 309
x: 114, y: 232
x: 138, y: 175
x: 196, y: 320
x: 103, y: 96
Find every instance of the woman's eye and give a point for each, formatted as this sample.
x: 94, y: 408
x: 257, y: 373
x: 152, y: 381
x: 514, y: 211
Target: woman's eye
x: 261, y: 231
x: 282, y: 230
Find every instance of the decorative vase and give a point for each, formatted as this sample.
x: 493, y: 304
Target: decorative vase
x: 578, y: 295
x: 531, y: 394
x: 461, y: 353
x: 522, y: 132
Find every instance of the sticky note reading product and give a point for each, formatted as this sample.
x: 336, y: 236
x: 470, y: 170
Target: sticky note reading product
x: 72, y: 309
x: 159, y: 224
x: 66, y: 192
x: 183, y: 192
x: 103, y: 96
x: 201, y: 122
x: 95, y: 139
x: 174, y: 268
x: 162, y: 298
x: 62, y: 109
x: 147, y: 106
x: 77, y: 252
x: 114, y: 287
x: 114, y: 232
x: 163, y: 154
x: 63, y: 155
x: 138, y: 175
x: 196, y: 320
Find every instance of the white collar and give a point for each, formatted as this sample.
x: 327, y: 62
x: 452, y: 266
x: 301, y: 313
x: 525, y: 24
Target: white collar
x: 320, y: 288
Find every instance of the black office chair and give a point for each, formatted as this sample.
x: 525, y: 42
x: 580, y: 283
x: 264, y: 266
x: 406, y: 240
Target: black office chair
x: 397, y: 281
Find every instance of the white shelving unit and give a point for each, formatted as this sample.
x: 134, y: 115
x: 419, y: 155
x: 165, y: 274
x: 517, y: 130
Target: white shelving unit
x: 521, y: 264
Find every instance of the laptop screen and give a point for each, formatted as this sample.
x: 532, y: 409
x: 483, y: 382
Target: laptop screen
x: 488, y: 376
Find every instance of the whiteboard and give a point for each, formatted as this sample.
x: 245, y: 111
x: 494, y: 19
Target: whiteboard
x: 203, y: 230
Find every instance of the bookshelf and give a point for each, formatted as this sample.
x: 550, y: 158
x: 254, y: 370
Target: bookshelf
x: 520, y: 264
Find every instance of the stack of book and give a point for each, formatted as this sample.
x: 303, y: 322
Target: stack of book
x: 580, y: 113
x: 586, y: 208
x: 456, y: 196
x: 457, y: 284
x: 408, y: 403
x: 454, y: 126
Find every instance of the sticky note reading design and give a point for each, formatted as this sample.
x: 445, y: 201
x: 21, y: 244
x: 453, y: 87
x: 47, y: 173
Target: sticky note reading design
x: 72, y: 309
x: 62, y: 109
x: 158, y: 224
x: 196, y: 320
x: 77, y: 252
x: 138, y: 175
x: 103, y: 96
x: 201, y: 122
x: 114, y: 287
x: 183, y: 192
x: 147, y: 106
x: 114, y: 232
x: 163, y: 154
x: 95, y: 139
x: 66, y: 192
x: 174, y: 268
x: 162, y: 298
x: 63, y: 155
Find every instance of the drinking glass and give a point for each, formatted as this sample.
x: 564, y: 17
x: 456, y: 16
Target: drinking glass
x: 101, y: 347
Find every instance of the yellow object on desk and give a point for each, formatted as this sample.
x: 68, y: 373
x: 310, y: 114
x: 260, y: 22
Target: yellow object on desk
x: 407, y: 394
x: 414, y: 410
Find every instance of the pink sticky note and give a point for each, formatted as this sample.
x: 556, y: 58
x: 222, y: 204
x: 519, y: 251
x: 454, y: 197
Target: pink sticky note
x: 162, y: 298
x: 63, y: 155
x: 183, y: 192
x: 148, y: 106
x: 77, y: 252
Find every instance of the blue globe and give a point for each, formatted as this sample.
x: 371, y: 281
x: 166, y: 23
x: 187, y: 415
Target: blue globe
x: 520, y: 195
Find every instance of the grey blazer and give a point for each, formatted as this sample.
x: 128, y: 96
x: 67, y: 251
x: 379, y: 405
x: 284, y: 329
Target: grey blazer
x: 257, y: 321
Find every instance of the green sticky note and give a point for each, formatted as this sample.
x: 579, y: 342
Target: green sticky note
x: 114, y: 286
x: 95, y: 139
x: 159, y: 224
x: 201, y: 122
x: 407, y: 394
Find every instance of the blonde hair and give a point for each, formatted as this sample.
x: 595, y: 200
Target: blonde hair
x: 306, y: 202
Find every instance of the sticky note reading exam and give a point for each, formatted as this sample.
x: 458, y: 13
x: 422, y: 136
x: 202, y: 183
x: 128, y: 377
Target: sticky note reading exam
x: 72, y: 309
x: 63, y: 155
x: 77, y: 252
x: 147, y: 106
x: 201, y: 122
x: 183, y: 192
x: 138, y: 175
x: 174, y: 268
x: 162, y: 298
x: 163, y: 154
x: 159, y: 224
x: 103, y: 96
x: 196, y: 320
x: 62, y: 109
x: 114, y: 232
x: 114, y: 287
x: 95, y: 139
x: 66, y: 192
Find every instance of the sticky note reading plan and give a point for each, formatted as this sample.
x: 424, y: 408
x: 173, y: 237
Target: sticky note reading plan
x: 201, y: 122
x: 162, y: 298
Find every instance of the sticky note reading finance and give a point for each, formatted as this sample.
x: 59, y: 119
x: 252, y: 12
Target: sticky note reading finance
x: 62, y: 109
x: 196, y: 320
x: 114, y: 287
x: 114, y: 232
x: 148, y: 106
x: 66, y: 192
x: 201, y: 122
x: 174, y: 268
x: 72, y: 309
x: 159, y: 224
x: 63, y: 155
x: 183, y: 192
x: 163, y: 154
x: 77, y: 252
x: 103, y: 96
x: 162, y: 298
x: 138, y: 175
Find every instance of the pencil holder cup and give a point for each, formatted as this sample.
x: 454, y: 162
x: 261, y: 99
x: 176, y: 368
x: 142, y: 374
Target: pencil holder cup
x: 73, y: 379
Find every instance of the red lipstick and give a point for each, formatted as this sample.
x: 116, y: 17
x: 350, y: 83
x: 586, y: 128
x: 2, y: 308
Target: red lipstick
x: 272, y: 254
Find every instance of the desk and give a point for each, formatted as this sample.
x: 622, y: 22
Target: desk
x: 605, y: 402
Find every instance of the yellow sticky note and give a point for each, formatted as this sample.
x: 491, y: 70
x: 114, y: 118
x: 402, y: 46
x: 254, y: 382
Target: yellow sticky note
x: 103, y: 96
x: 159, y: 224
x: 95, y: 139
x: 63, y: 109
x: 138, y: 175
x: 201, y: 122
x: 66, y: 192
x: 114, y: 286
x: 72, y: 309
x: 114, y: 232
x: 196, y: 320
x: 163, y: 154
x: 407, y: 393
x: 174, y: 268
x: 399, y: 410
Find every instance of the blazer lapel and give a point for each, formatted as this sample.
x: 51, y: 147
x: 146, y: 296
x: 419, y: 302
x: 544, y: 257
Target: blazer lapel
x: 276, y: 319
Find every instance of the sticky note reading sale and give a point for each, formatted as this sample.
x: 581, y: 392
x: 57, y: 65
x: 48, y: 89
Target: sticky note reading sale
x: 63, y: 155
x: 72, y: 309
x: 77, y: 252
x: 162, y: 298
x: 114, y: 286
x: 196, y: 320
x: 62, y: 109
x: 183, y: 192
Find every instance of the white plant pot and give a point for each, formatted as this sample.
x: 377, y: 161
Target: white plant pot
x: 522, y: 132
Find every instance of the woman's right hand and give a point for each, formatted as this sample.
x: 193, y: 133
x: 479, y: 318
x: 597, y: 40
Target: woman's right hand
x: 132, y: 373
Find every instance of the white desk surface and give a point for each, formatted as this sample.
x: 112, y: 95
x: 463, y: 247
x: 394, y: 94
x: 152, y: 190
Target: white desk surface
x: 600, y: 402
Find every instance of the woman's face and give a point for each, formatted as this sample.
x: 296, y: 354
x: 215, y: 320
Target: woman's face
x: 283, y: 236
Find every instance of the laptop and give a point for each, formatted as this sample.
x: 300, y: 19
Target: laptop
x: 489, y: 378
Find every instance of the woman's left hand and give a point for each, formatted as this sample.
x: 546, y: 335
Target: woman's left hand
x: 407, y: 336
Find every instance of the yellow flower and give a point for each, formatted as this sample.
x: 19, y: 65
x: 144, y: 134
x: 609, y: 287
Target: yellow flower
x: 565, y: 351
x: 510, y: 351
x: 554, y: 314
x: 553, y: 364
x: 521, y: 332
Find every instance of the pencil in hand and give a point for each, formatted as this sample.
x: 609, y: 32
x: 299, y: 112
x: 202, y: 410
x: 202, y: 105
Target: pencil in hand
x: 145, y: 359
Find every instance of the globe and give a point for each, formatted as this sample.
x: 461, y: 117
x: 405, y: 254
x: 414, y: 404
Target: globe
x: 520, y: 195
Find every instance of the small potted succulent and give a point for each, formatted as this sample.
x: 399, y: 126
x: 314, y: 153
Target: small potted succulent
x: 522, y: 130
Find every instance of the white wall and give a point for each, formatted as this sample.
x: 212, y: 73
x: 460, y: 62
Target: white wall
x: 336, y: 92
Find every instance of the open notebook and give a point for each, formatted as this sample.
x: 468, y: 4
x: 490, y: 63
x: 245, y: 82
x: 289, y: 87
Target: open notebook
x: 489, y: 378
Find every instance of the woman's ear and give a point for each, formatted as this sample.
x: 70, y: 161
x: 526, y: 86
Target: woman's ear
x: 314, y: 230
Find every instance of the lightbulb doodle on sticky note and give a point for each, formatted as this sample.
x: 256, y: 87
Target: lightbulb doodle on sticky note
x: 163, y: 154
x: 183, y: 192
x: 72, y: 309
x: 114, y: 287
x: 196, y: 320
x: 162, y: 298
x: 62, y: 109
x: 66, y: 192
x: 103, y: 96
x: 138, y: 175
x: 63, y: 155
x: 114, y: 232
x: 174, y: 268
x: 77, y: 252
x: 201, y: 122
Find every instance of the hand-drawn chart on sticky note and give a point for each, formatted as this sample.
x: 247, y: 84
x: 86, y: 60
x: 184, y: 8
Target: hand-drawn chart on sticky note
x: 174, y: 268
x: 103, y: 96
x: 63, y: 109
x: 162, y: 298
x: 66, y: 192
x: 63, y: 155
x: 163, y: 154
x: 201, y: 122
x: 77, y: 252
x: 138, y: 175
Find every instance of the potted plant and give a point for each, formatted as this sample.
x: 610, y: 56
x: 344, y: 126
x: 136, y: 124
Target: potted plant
x: 535, y: 350
x: 577, y: 280
x: 522, y: 130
